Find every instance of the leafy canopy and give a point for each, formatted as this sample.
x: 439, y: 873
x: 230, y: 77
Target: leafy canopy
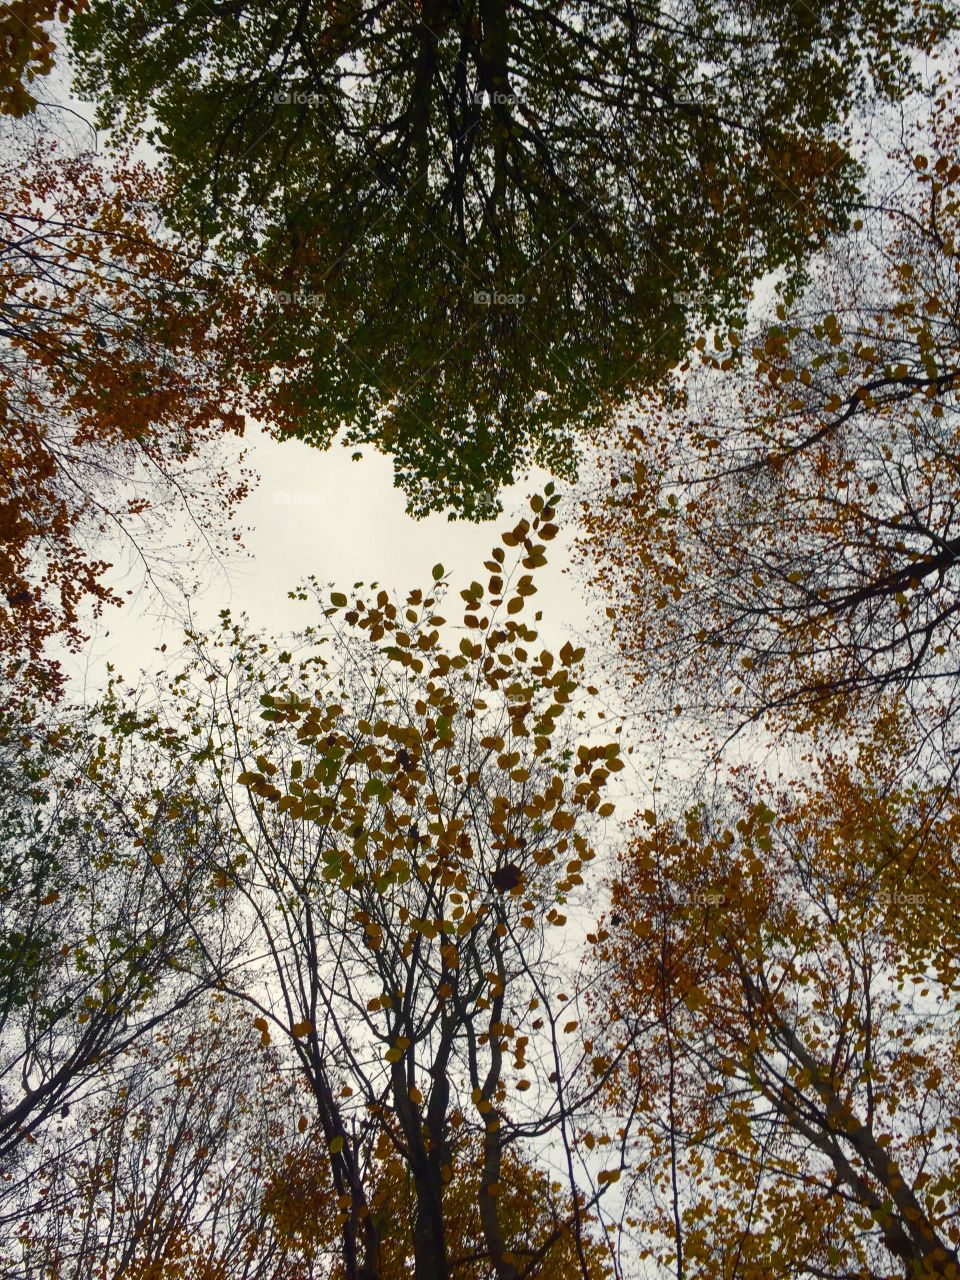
x: 779, y: 525
x: 118, y: 393
x: 782, y: 971
x: 412, y: 825
x: 479, y: 227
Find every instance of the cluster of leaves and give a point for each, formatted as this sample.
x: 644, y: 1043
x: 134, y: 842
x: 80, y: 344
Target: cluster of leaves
x: 778, y: 969
x: 27, y: 48
x: 103, y: 884
x: 372, y: 843
x: 412, y: 824
x: 533, y: 1209
x: 199, y: 1161
x: 114, y: 389
x: 175, y: 1169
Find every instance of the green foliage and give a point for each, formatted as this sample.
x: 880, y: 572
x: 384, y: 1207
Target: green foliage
x: 30, y: 867
x: 479, y: 228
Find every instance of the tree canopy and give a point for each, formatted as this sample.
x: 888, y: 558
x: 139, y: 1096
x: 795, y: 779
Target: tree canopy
x: 28, y: 44
x: 411, y: 823
x: 478, y: 228
x: 125, y: 377
x: 779, y: 522
x: 781, y: 971
x: 401, y: 945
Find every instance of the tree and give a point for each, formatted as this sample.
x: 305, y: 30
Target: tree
x: 412, y: 822
x: 178, y: 1168
x: 481, y: 226
x: 200, y: 1160
x: 778, y: 528
x: 104, y: 877
x: 780, y: 962
x: 534, y: 1210
x: 119, y: 381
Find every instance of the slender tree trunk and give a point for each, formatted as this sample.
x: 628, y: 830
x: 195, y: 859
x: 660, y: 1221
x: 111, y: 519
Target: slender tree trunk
x: 429, y: 1234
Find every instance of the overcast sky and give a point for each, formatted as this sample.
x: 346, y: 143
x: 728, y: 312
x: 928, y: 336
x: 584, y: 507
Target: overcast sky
x: 319, y: 513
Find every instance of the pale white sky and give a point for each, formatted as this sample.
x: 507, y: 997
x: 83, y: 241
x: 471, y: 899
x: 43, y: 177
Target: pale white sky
x: 321, y: 513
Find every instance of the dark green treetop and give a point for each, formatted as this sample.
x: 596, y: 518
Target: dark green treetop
x: 476, y: 228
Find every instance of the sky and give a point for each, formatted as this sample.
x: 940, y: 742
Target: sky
x: 317, y: 513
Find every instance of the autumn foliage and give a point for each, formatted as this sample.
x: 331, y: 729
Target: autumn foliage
x: 118, y: 387
x: 782, y: 966
x: 778, y: 525
x: 413, y: 823
x: 27, y: 47
x: 415, y: 943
